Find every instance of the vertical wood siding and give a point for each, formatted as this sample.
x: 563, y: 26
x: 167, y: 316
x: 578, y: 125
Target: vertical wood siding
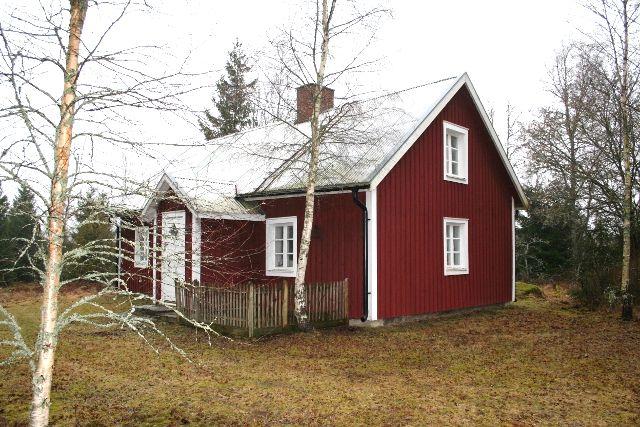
x: 137, y: 279
x: 336, y: 249
x: 414, y: 198
x: 232, y: 252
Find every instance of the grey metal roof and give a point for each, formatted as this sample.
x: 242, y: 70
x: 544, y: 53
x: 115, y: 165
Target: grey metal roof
x: 361, y: 139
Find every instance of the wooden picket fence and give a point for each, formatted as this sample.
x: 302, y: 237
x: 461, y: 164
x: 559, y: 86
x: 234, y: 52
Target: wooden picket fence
x: 252, y: 309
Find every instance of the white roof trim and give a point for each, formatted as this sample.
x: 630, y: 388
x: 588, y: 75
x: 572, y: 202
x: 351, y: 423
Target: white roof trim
x: 382, y: 172
x: 149, y: 209
x: 301, y: 194
x: 236, y: 217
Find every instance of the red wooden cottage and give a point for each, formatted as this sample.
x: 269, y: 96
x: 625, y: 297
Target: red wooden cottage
x: 415, y: 206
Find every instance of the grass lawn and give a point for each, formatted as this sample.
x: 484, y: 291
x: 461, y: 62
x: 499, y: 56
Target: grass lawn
x: 539, y: 361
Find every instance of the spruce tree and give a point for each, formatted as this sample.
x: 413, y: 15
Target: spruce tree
x: 4, y: 242
x: 234, y: 99
x: 23, y: 237
x: 93, y: 237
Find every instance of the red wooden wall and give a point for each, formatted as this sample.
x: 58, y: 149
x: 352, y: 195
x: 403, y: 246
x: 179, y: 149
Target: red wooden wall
x: 412, y: 201
x: 336, y: 242
x: 137, y: 279
x: 231, y: 252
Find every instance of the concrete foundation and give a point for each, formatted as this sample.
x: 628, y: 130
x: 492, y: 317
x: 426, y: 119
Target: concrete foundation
x: 420, y: 317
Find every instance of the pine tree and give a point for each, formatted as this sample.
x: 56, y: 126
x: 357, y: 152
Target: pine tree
x: 23, y: 236
x: 234, y: 99
x: 4, y: 230
x: 94, y: 238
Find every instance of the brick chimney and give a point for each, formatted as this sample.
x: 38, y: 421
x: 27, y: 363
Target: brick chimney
x: 304, y: 96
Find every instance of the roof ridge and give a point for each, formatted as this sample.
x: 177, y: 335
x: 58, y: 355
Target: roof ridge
x: 208, y: 181
x: 399, y: 91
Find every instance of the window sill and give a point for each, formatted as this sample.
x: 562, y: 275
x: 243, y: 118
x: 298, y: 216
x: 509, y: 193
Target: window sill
x: 281, y: 273
x: 141, y: 265
x: 454, y: 178
x: 455, y: 271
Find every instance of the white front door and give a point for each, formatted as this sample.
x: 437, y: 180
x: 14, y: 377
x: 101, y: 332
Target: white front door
x: 173, y: 259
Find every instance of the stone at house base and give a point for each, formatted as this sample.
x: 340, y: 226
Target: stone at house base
x: 156, y: 310
x: 420, y: 317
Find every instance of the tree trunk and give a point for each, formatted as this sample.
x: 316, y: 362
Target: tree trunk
x: 627, y: 303
x: 300, y: 299
x: 47, y: 337
x: 573, y: 192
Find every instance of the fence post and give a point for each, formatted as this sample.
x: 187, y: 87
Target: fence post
x: 285, y: 303
x: 250, y: 309
x: 197, y: 296
x: 345, y: 296
x: 178, y: 296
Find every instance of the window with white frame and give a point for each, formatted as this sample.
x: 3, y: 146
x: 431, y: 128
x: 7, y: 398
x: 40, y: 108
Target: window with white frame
x: 455, y: 153
x: 456, y: 246
x: 141, y: 252
x: 281, y: 250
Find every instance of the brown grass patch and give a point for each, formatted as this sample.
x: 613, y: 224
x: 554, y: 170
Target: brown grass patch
x: 536, y: 362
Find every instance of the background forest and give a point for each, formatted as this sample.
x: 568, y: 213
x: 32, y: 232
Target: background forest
x: 579, y: 156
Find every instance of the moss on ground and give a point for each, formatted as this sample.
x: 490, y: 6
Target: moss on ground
x: 534, y: 362
x: 524, y: 290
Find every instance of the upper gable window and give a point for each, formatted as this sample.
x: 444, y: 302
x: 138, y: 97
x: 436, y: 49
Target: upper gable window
x: 455, y: 153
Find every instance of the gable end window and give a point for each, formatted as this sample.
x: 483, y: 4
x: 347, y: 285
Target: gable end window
x: 456, y: 246
x: 141, y: 252
x: 282, y: 246
x: 456, y: 150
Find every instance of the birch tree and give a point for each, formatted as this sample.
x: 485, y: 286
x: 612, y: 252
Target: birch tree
x: 585, y: 144
x: 616, y: 42
x: 557, y: 152
x: 52, y: 133
x: 328, y: 9
x: 308, y: 57
x: 46, y: 346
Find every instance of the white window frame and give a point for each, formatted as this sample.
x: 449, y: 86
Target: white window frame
x: 463, y: 268
x: 462, y: 134
x: 138, y: 251
x: 270, y: 255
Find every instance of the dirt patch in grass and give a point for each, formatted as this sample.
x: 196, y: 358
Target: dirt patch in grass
x: 30, y: 292
x: 535, y: 362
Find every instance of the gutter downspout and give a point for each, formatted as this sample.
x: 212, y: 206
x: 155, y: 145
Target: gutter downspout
x: 365, y: 269
x: 154, y: 270
x: 119, y: 237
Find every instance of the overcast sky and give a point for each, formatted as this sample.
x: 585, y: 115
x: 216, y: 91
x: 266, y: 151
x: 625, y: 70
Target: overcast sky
x: 505, y: 46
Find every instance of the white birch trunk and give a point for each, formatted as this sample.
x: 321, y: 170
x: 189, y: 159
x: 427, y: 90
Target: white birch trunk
x: 300, y: 299
x: 47, y: 338
x: 626, y: 154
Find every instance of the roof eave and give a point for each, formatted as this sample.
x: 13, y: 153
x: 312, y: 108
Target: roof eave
x: 301, y: 191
